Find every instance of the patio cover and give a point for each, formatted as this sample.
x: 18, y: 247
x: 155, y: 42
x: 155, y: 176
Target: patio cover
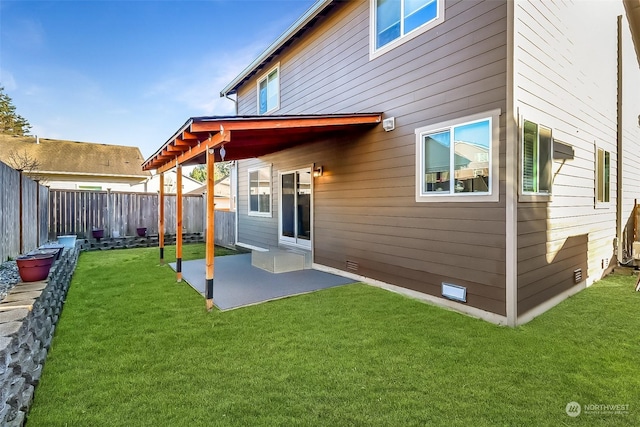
x: 245, y: 137
x: 205, y: 140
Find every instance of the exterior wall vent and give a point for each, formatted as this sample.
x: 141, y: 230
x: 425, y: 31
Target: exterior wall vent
x: 352, y: 265
x: 577, y: 275
x: 454, y: 292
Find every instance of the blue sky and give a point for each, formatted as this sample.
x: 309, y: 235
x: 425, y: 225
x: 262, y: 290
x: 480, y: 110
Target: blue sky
x: 130, y: 72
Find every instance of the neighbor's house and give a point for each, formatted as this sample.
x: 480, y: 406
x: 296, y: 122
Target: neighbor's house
x: 503, y: 177
x: 75, y: 165
x: 152, y: 184
x: 224, y: 199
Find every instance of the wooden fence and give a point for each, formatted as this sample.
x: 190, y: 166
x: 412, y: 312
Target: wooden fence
x: 120, y: 213
x: 35, y: 209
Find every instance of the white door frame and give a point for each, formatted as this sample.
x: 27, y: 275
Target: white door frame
x: 295, y: 242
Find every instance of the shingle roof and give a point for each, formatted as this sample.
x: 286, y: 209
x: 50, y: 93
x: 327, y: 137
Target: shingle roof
x: 59, y: 156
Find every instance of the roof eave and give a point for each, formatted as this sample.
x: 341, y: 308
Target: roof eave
x: 632, y: 8
x: 309, y: 15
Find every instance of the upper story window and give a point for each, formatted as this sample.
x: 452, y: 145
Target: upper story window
x: 395, y: 21
x: 458, y: 160
x: 537, y: 151
x: 260, y: 191
x: 603, y: 176
x: 269, y: 91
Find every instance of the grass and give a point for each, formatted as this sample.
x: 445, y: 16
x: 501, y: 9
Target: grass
x: 133, y: 348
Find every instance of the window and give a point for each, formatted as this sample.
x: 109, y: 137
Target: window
x: 458, y: 161
x: 536, y: 158
x: 393, y: 20
x: 269, y: 91
x: 603, y: 170
x: 260, y: 192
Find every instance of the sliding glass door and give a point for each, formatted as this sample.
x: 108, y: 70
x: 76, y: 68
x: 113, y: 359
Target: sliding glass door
x: 295, y: 207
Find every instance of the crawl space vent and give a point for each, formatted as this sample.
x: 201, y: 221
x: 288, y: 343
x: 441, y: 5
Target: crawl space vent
x: 352, y: 265
x: 577, y: 275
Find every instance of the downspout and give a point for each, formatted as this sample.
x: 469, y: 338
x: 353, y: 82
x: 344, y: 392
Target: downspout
x: 235, y: 101
x: 619, y: 190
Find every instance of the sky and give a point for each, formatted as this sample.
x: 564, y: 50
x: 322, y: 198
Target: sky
x: 130, y: 72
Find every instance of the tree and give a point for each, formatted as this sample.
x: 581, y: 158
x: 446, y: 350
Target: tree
x: 23, y: 161
x: 221, y: 169
x: 11, y: 123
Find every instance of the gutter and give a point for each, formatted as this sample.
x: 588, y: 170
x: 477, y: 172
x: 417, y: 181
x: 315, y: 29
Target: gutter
x: 307, y: 17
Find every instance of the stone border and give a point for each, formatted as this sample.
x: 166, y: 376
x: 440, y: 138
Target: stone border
x: 129, y: 242
x: 28, y: 317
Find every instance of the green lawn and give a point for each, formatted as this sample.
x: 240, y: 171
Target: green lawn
x: 135, y: 348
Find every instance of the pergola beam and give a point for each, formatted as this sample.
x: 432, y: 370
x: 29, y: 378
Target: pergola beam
x: 213, y: 142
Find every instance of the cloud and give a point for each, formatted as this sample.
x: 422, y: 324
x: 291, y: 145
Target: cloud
x: 7, y: 80
x: 198, y: 90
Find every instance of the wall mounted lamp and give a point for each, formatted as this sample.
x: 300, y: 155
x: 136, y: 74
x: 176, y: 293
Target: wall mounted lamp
x: 317, y: 171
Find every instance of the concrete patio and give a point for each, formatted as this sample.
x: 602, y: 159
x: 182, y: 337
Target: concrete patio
x: 237, y: 283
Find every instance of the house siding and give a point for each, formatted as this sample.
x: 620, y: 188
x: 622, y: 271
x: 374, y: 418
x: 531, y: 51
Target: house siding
x: 364, y: 205
x: 556, y: 85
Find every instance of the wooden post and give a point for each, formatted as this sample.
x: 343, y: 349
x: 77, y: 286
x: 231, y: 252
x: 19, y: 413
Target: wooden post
x: 209, y: 238
x: 161, y: 219
x: 20, y: 213
x: 37, y: 213
x: 179, y: 223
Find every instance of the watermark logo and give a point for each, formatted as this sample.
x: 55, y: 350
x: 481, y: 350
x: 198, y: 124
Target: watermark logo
x: 573, y: 409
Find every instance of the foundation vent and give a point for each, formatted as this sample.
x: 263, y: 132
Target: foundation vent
x: 577, y: 275
x: 352, y: 265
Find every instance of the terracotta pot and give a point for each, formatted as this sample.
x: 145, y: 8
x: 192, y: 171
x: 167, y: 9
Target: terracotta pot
x: 142, y: 231
x: 34, y: 267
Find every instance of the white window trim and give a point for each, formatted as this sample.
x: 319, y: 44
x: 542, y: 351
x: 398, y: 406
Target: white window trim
x: 596, y: 203
x: 494, y: 179
x: 531, y: 196
x: 249, y: 211
x: 262, y: 78
x: 374, y: 53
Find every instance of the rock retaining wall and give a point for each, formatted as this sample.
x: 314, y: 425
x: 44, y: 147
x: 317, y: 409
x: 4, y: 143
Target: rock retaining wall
x: 136, y: 242
x: 28, y: 317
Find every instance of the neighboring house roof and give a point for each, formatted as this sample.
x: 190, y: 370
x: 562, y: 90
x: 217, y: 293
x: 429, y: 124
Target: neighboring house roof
x: 307, y: 20
x: 75, y: 158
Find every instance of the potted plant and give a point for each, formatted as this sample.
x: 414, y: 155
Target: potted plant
x: 142, y: 231
x: 33, y: 268
x: 97, y: 233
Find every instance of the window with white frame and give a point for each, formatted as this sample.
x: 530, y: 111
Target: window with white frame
x: 537, y: 151
x: 260, y: 191
x: 394, y: 21
x: 269, y: 91
x: 457, y: 161
x: 603, y: 174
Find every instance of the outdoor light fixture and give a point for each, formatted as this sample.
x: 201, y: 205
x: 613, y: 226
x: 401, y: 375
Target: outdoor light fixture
x: 223, y: 152
x: 317, y: 171
x: 211, y: 151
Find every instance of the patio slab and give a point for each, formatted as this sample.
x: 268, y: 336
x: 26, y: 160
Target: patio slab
x: 237, y: 283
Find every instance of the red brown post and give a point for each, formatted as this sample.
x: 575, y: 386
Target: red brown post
x: 161, y: 219
x: 179, y: 224
x: 209, y: 238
